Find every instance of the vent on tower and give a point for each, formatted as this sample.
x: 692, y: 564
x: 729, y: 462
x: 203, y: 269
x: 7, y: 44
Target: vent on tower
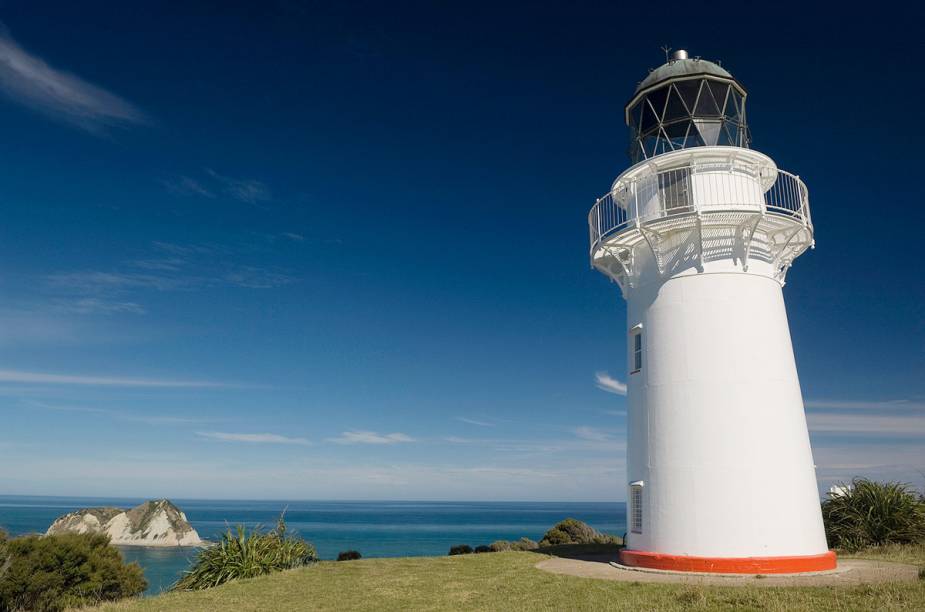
x: 636, y: 506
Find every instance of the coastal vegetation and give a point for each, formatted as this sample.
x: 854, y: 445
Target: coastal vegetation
x: 563, y: 534
x: 349, y: 555
x: 55, y: 572
x: 246, y: 554
x: 867, y: 513
x: 573, y: 531
x: 510, y: 581
x: 521, y: 544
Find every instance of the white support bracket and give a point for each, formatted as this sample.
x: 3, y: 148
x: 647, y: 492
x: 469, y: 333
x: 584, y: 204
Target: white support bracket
x: 700, y: 241
x: 625, y: 259
x: 779, y: 257
x: 656, y: 254
x: 751, y: 238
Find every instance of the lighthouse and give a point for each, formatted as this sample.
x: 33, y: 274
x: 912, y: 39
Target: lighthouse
x: 699, y: 234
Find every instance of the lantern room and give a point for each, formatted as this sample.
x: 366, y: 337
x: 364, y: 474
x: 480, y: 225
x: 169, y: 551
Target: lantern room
x: 687, y: 102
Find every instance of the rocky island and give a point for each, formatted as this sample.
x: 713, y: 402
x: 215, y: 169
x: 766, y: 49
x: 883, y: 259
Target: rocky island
x: 153, y: 523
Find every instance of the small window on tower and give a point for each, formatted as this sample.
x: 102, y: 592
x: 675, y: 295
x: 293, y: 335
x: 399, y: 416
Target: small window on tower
x: 636, y: 507
x: 636, y: 346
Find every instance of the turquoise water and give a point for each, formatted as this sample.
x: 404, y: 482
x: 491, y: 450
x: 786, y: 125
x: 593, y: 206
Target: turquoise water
x: 376, y: 529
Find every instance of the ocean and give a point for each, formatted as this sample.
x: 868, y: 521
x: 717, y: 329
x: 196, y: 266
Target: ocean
x: 375, y: 528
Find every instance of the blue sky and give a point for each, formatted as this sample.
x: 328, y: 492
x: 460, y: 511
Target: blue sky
x: 291, y: 250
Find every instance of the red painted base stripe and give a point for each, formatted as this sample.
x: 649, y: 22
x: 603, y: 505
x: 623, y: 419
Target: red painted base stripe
x: 729, y: 565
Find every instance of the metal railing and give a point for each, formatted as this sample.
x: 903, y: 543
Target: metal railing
x: 705, y: 188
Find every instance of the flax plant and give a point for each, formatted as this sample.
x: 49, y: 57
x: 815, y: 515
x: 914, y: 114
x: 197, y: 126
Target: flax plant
x: 246, y: 554
x: 867, y: 513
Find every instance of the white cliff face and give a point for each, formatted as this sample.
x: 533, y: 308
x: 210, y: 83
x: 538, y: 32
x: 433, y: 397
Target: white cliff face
x: 153, y: 523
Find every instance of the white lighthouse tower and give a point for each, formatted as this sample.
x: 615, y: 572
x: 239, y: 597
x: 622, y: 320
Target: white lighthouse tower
x: 699, y: 234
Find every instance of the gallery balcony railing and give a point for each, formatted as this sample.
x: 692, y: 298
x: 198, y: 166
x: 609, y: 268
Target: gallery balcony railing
x: 703, y: 189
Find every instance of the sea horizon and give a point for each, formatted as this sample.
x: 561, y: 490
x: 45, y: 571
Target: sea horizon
x: 377, y: 528
x: 139, y: 499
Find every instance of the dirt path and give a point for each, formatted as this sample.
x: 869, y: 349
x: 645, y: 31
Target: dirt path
x: 849, y: 572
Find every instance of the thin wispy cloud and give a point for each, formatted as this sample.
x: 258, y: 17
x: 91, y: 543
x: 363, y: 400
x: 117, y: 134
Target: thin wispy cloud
x: 583, y: 440
x: 857, y: 454
x: 254, y: 277
x: 164, y: 264
x: 605, y: 382
x: 840, y: 459
x: 186, y: 186
x: 30, y: 81
x: 211, y: 184
x: 474, y: 422
x: 251, y: 438
x: 867, y: 424
x: 45, y: 378
x: 92, y: 305
x: 250, y: 191
x: 149, y: 419
x: 100, y: 281
x: 188, y: 249
x: 293, y: 236
x: 592, y: 434
x: 370, y: 437
x: 862, y: 405
x: 171, y: 267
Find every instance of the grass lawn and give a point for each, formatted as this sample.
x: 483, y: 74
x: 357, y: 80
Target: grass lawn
x: 509, y: 581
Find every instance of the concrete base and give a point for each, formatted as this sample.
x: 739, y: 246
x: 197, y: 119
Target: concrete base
x: 840, y: 568
x: 849, y: 572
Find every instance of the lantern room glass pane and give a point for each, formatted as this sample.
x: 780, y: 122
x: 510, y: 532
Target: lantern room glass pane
x: 720, y: 91
x: 734, y: 106
x: 688, y: 91
x: 649, y: 120
x: 675, y: 108
x: 706, y: 104
x: 657, y: 100
x: 694, y: 112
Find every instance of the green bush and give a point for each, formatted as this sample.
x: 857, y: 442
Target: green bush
x: 573, y: 531
x: 868, y: 513
x: 521, y: 544
x: 524, y: 544
x: 500, y: 546
x: 240, y: 554
x: 61, y: 571
x: 461, y: 549
x: 482, y: 549
x: 349, y: 555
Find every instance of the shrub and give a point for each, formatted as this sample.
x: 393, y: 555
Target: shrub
x: 524, y: 544
x: 868, y: 513
x: 61, y: 571
x: 500, y: 546
x: 349, y: 555
x: 461, y: 549
x: 240, y: 554
x: 573, y: 531
x: 483, y: 549
x: 521, y: 544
